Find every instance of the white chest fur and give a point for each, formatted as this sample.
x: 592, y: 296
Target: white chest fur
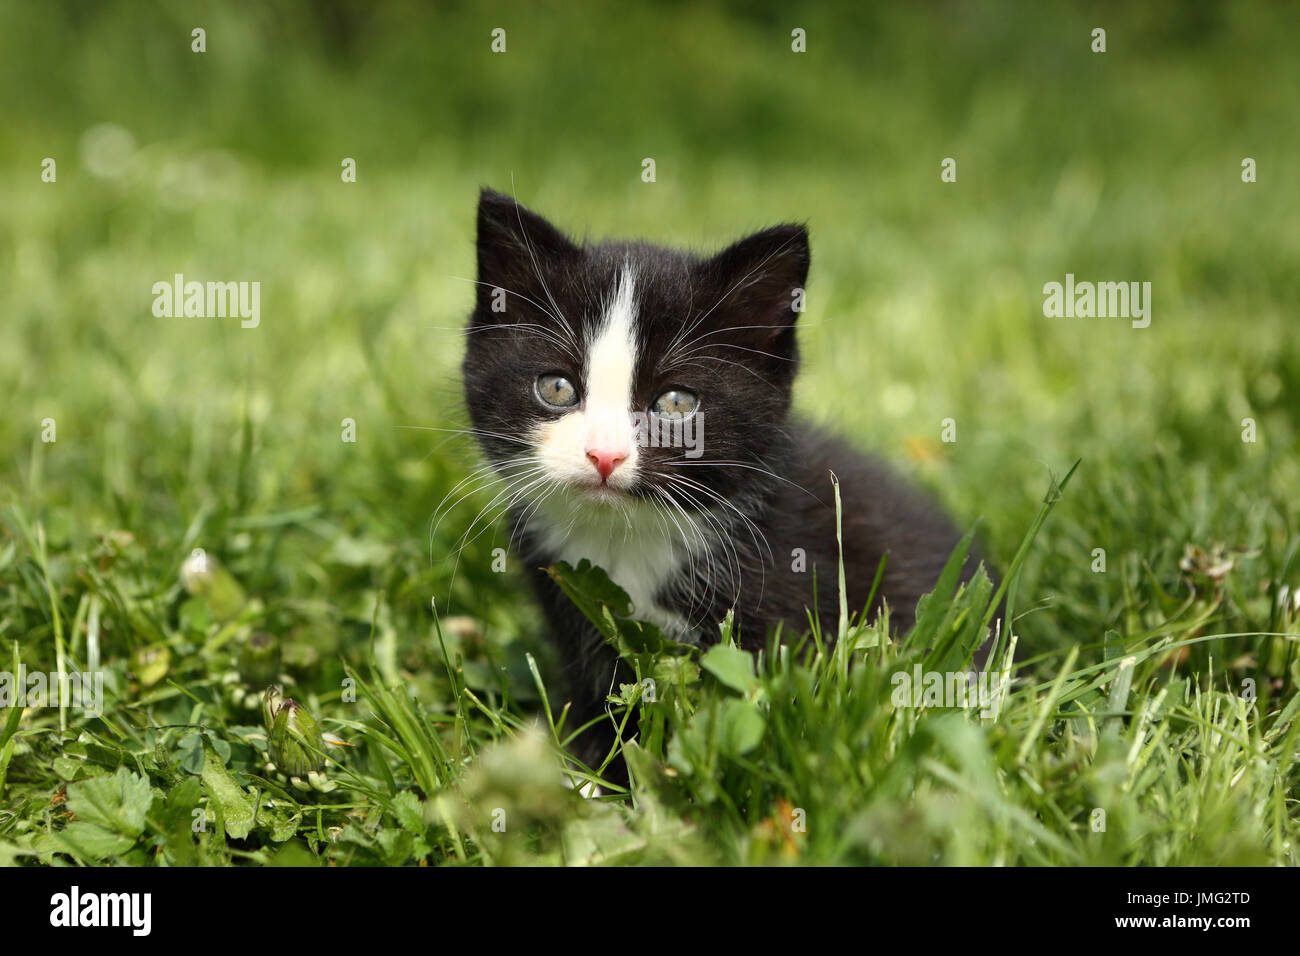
x: 639, y: 552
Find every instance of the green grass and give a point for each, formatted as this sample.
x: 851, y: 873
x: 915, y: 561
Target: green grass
x: 1161, y: 691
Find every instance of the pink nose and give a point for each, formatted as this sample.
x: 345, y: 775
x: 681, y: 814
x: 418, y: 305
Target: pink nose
x: 605, y: 461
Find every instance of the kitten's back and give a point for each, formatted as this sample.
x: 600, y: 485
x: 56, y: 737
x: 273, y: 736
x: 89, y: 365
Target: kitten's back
x: 881, y: 514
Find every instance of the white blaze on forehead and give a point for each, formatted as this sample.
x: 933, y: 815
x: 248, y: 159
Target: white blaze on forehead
x: 604, y: 420
x: 611, y: 363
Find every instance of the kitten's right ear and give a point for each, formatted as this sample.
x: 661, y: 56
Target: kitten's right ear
x: 761, y: 277
x: 518, y: 250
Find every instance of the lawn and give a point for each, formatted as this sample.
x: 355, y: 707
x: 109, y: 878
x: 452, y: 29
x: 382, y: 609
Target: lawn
x: 314, y: 462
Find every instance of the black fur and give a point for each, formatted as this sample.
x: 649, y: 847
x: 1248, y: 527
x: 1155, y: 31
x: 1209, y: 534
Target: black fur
x: 740, y: 356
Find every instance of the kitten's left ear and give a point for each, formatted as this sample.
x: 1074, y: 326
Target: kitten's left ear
x: 516, y: 247
x: 762, y: 276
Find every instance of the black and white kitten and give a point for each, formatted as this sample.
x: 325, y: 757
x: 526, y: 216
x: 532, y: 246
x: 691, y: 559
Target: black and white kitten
x: 577, y: 352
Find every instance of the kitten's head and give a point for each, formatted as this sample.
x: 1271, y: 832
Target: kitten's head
x: 619, y: 371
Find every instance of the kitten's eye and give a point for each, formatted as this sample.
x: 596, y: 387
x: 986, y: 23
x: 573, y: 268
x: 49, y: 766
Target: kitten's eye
x: 676, y: 403
x: 555, y: 389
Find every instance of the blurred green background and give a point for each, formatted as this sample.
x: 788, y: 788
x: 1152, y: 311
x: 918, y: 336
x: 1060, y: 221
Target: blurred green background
x: 925, y: 299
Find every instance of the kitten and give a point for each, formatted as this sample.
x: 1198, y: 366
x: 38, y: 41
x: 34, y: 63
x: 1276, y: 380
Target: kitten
x: 581, y: 355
